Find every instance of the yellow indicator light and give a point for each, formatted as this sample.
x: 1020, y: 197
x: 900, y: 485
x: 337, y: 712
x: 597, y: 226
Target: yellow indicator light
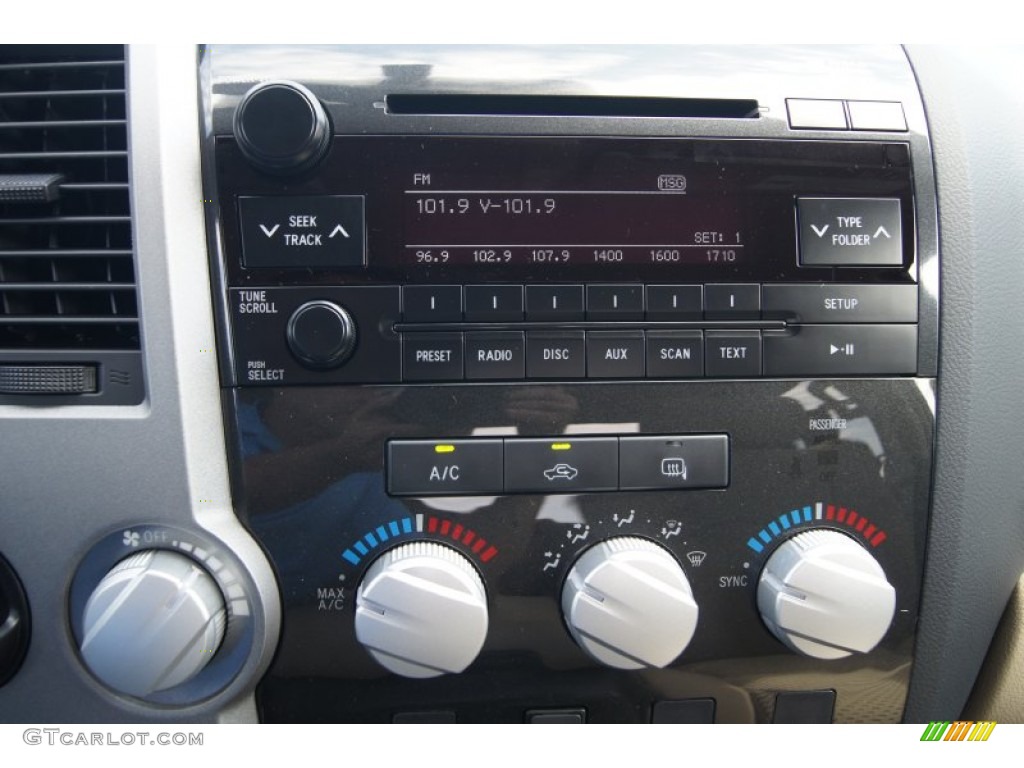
x: 561, y: 446
x: 444, y: 449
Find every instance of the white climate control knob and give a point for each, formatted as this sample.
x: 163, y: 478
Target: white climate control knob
x: 421, y: 610
x: 628, y: 604
x: 152, y: 623
x: 824, y: 595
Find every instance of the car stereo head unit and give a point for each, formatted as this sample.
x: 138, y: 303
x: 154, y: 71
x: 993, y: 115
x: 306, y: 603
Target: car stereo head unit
x: 428, y: 239
x: 598, y: 392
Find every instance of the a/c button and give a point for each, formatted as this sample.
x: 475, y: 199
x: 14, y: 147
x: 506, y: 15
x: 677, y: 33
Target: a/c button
x: 445, y: 467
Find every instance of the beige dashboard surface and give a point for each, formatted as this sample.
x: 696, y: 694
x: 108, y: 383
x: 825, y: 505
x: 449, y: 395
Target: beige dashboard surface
x: 999, y: 692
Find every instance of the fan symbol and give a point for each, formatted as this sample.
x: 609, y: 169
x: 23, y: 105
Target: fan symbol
x: 131, y: 539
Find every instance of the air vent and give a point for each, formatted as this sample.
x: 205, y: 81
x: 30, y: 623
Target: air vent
x: 67, y: 277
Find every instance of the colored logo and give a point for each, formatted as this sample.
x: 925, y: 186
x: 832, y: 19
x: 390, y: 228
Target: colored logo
x: 961, y: 730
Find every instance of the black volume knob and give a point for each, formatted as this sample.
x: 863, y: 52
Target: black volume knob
x: 14, y: 622
x: 321, y: 335
x: 282, y: 128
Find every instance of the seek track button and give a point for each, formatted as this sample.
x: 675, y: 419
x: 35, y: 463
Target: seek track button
x: 308, y: 231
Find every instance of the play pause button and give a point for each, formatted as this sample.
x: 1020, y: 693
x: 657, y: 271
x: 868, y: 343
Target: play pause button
x: 846, y: 349
x: 841, y: 350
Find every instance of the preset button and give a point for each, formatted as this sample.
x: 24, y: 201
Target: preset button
x: 432, y: 357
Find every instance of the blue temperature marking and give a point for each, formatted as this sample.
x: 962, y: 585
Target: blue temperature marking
x: 755, y: 545
x: 764, y: 536
x: 808, y: 514
x: 360, y: 548
x: 370, y: 539
x: 785, y: 522
x: 774, y: 528
x: 348, y: 555
x: 795, y: 515
x: 393, y: 527
x: 382, y: 533
x: 407, y: 525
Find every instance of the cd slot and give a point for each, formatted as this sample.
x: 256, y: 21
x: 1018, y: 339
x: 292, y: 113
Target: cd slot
x: 569, y: 106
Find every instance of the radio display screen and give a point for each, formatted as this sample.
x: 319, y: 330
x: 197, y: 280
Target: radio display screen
x: 536, y: 208
x: 571, y: 227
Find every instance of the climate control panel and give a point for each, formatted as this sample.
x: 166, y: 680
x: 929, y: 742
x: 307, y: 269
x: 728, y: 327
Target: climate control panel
x: 433, y: 548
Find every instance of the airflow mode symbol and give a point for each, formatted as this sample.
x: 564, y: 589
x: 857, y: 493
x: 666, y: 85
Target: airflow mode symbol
x: 696, y: 558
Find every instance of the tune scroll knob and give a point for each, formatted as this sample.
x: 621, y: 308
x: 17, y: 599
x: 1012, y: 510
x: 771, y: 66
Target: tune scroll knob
x: 825, y: 596
x: 629, y: 605
x: 421, y: 610
x: 153, y: 622
x: 282, y: 128
x: 321, y: 335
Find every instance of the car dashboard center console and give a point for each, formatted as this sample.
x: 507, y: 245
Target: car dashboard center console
x: 553, y: 404
x: 602, y: 390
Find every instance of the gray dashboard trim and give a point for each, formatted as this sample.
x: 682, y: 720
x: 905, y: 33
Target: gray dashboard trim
x: 975, y: 551
x: 74, y: 474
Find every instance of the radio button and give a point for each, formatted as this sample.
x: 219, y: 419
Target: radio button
x: 615, y: 302
x: 432, y: 303
x: 850, y: 232
x: 841, y: 303
x: 444, y: 467
x: 732, y: 354
x: 494, y: 303
x: 432, y: 357
x: 555, y: 355
x: 499, y: 355
x: 615, y: 354
x: 554, y: 302
x: 732, y: 302
x: 684, y: 461
x: 561, y: 464
x: 841, y: 350
x: 675, y: 354
x: 675, y: 302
